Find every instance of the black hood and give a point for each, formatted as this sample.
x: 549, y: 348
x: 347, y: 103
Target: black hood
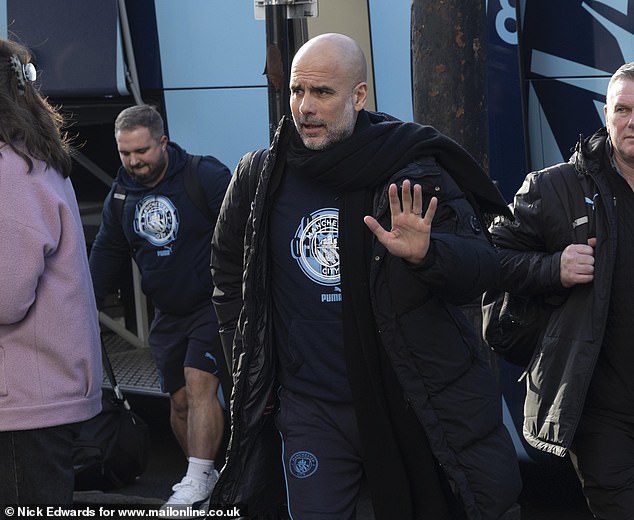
x: 590, y: 152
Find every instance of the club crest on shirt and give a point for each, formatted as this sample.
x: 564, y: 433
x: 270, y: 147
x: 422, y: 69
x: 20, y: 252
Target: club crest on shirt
x: 156, y: 220
x: 303, y: 464
x: 315, y: 247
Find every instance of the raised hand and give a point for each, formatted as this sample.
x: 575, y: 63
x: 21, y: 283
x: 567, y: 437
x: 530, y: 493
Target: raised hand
x: 410, y: 234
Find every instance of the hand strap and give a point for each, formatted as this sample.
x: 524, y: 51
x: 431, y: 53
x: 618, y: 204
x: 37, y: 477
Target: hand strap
x: 107, y: 365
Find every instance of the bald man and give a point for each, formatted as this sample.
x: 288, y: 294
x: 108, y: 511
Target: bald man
x: 337, y: 285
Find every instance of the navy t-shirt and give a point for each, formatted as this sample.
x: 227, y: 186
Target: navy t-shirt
x: 306, y: 290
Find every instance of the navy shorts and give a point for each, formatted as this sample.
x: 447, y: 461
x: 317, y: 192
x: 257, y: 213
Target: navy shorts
x: 192, y: 341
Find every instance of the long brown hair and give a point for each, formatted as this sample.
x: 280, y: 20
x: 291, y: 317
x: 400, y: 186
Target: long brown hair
x: 29, y: 124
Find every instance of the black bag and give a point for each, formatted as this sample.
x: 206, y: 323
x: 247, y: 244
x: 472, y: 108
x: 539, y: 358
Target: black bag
x: 513, y: 325
x: 111, y: 449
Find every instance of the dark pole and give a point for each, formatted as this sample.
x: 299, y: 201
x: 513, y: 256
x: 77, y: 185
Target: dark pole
x: 283, y: 38
x: 277, y: 64
x: 448, y: 71
x: 448, y: 42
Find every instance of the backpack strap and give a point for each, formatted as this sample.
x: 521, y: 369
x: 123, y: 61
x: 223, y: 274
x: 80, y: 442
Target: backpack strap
x: 118, y: 199
x: 256, y: 164
x: 581, y: 192
x: 193, y: 187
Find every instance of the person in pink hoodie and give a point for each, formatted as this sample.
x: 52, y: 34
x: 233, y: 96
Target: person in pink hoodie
x: 50, y: 357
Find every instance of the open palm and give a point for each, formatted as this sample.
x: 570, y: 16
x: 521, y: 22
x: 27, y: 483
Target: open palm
x: 410, y: 234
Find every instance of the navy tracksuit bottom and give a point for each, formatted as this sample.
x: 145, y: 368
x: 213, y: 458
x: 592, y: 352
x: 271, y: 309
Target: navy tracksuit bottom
x: 321, y: 454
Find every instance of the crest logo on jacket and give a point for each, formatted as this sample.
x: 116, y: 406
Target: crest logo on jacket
x: 156, y: 220
x: 315, y: 247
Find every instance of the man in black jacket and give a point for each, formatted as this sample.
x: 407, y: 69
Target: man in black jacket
x: 355, y: 342
x: 570, y: 242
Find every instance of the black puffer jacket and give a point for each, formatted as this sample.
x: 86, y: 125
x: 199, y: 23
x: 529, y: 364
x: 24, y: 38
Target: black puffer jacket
x: 545, y: 209
x: 432, y: 346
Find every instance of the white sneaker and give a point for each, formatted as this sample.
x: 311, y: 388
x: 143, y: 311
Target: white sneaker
x: 190, y: 493
x: 211, y: 482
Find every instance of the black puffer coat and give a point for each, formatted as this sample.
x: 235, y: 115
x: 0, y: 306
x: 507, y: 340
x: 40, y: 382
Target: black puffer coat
x: 432, y: 346
x: 546, y: 209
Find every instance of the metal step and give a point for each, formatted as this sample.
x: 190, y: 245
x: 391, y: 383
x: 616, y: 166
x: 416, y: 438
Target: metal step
x: 133, y: 367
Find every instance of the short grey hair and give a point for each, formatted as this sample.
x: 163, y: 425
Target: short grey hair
x: 625, y: 71
x: 140, y: 116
